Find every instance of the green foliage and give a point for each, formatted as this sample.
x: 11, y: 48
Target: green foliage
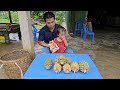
x: 60, y: 15
x: 36, y: 14
x: 4, y: 15
x: 14, y: 16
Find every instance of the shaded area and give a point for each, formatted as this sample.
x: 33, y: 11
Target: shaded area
x: 106, y: 18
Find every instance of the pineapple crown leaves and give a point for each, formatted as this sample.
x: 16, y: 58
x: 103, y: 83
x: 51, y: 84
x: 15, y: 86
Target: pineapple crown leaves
x: 83, y: 62
x: 63, y: 59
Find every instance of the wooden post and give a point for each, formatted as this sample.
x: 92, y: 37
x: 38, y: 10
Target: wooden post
x: 72, y: 21
x: 26, y: 32
x: 10, y: 16
x: 86, y: 14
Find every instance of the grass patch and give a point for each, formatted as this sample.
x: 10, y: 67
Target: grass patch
x: 39, y: 26
x: 7, y: 21
x: 4, y: 21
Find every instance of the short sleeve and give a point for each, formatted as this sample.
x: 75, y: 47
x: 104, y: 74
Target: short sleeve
x: 41, y: 35
x: 55, y: 40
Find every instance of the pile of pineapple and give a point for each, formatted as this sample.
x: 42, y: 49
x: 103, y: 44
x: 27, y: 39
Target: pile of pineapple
x: 48, y: 63
x: 65, y: 63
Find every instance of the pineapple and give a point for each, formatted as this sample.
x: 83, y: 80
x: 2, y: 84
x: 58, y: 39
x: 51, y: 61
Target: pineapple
x: 48, y: 63
x: 68, y: 60
x: 57, y: 67
x: 74, y: 67
x: 67, y: 68
x: 83, y: 66
x: 61, y: 60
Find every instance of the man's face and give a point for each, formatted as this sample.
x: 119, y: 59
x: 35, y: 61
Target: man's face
x: 50, y: 22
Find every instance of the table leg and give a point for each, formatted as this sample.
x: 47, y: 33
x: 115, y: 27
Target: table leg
x: 19, y: 34
x: 7, y: 39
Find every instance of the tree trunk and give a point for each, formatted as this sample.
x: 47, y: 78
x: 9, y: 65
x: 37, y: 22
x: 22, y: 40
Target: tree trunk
x: 26, y: 32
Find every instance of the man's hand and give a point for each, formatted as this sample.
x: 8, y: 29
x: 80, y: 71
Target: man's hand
x: 42, y: 43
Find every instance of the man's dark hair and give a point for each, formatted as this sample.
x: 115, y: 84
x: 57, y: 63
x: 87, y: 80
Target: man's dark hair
x: 48, y: 15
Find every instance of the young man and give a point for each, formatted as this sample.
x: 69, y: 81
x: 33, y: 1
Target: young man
x: 48, y: 33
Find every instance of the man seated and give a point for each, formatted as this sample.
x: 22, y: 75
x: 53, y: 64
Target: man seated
x: 49, y: 33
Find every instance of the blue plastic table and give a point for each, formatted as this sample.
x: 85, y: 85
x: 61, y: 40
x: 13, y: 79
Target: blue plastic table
x: 37, y: 71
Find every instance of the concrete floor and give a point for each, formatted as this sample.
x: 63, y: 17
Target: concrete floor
x: 105, y: 51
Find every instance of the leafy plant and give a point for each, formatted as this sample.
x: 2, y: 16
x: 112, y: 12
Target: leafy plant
x: 60, y: 15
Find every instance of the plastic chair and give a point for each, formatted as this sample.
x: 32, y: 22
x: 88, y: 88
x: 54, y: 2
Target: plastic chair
x: 78, y: 28
x: 35, y: 31
x: 87, y: 32
x: 81, y: 25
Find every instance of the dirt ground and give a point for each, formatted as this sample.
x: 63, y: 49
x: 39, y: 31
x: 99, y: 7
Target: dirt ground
x: 105, y: 51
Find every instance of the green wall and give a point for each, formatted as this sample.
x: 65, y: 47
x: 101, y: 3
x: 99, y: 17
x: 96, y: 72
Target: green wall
x: 72, y: 16
x: 67, y: 19
x: 80, y: 15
